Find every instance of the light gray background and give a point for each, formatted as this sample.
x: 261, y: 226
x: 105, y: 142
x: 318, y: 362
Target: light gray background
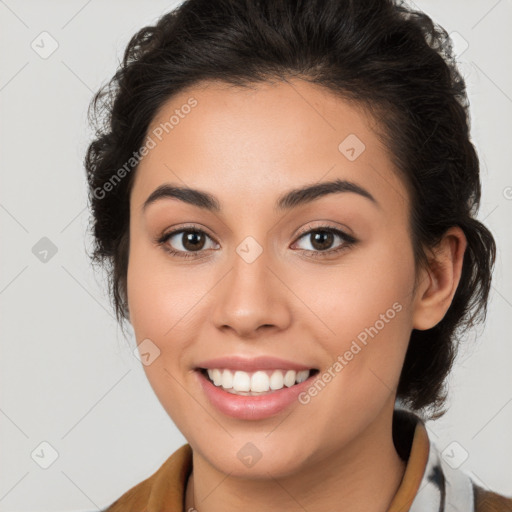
x: 67, y: 375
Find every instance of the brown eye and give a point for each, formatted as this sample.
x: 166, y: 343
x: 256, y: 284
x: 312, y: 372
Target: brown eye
x: 185, y: 242
x: 322, y: 239
x: 192, y: 240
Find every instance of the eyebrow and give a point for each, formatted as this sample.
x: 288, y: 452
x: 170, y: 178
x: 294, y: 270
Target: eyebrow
x: 287, y: 201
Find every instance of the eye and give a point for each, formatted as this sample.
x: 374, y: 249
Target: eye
x: 190, y: 242
x: 321, y: 238
x: 184, y: 242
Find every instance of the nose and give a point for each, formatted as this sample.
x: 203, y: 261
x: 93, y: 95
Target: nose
x: 252, y: 298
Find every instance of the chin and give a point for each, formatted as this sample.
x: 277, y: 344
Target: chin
x: 249, y: 458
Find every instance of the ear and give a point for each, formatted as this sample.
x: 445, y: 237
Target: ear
x: 439, y: 281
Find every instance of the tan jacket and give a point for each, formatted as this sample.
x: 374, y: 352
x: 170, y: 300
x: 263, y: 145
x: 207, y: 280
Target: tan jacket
x: 429, y: 483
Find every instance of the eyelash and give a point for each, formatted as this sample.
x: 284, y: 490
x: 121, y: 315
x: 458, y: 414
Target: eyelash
x: 348, y: 240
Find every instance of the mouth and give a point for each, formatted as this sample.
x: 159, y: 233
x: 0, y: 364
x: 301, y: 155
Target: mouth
x: 254, y: 388
x: 256, y: 383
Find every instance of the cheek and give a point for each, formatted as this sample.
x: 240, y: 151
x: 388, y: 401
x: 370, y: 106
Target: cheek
x: 161, y: 299
x: 352, y: 295
x: 366, y: 306
x: 161, y: 295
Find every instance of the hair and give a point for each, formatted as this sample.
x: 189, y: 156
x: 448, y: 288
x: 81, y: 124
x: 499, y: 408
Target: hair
x: 381, y: 55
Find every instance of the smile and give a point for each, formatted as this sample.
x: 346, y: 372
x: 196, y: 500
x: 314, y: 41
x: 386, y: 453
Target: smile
x: 255, y: 383
x: 280, y: 390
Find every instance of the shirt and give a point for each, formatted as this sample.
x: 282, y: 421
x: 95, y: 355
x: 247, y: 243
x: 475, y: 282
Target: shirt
x: 432, y: 482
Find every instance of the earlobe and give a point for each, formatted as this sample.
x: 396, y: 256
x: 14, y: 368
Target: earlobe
x: 439, y: 281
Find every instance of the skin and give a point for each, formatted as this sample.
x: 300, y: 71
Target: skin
x: 247, y: 147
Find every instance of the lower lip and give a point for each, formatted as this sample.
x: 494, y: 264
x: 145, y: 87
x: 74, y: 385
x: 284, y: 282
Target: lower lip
x: 252, y: 407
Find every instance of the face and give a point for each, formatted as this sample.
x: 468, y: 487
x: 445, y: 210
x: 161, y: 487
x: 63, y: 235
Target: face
x: 320, y: 281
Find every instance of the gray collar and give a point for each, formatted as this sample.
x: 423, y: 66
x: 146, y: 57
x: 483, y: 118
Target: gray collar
x: 444, y: 486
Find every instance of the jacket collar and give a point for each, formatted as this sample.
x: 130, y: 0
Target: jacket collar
x: 439, y: 486
x: 429, y: 484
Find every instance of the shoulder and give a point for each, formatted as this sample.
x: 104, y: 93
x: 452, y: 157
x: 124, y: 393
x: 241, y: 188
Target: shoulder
x: 165, y: 486
x: 488, y: 501
x: 134, y: 499
x: 137, y: 497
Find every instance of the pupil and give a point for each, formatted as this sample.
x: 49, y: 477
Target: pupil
x: 322, y: 240
x: 191, y: 241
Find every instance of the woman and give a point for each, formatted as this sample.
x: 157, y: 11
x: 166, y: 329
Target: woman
x: 285, y: 195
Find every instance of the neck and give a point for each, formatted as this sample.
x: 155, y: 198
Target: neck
x: 364, y: 476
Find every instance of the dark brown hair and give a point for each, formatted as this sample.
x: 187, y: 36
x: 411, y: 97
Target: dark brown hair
x: 385, y: 57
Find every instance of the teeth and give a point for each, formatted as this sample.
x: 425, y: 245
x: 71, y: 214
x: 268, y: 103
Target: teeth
x: 261, y: 381
x: 302, y: 376
x: 241, y: 381
x: 227, y: 379
x: 289, y: 378
x: 276, y: 380
x: 216, y: 376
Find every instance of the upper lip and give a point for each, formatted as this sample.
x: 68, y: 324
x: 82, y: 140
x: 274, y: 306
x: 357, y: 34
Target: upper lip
x: 252, y: 364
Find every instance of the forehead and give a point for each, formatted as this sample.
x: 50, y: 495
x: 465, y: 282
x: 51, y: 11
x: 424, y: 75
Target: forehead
x: 261, y: 140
